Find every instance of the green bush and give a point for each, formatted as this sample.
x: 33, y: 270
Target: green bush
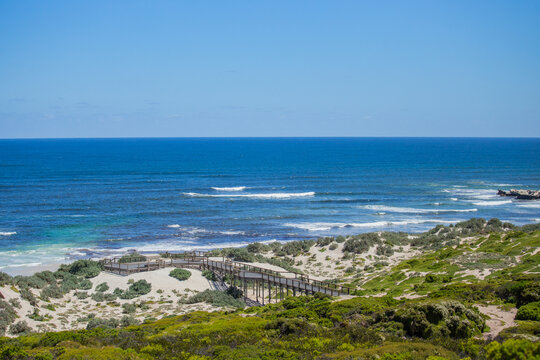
x: 7, y: 316
x: 20, y: 328
x: 85, y: 284
x: 361, y: 243
x: 102, y: 287
x: 530, y: 311
x: 52, y: 291
x: 138, y: 288
x: 131, y: 258
x: 26, y: 294
x: 257, y: 248
x: 129, y: 308
x: 85, y: 268
x: 180, y: 274
x: 513, y: 349
x: 209, y: 274
x: 216, y: 298
x: 5, y: 279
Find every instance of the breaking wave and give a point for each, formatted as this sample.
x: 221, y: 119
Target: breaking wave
x: 253, y: 196
x: 408, y: 210
x: 323, y: 226
x: 232, y: 188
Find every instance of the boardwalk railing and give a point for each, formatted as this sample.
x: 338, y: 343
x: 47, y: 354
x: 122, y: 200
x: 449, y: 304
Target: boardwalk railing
x: 238, y: 272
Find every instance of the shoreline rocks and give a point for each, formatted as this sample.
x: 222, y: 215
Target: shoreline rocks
x: 521, y: 194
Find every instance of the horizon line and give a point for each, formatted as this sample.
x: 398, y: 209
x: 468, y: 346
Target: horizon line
x: 269, y: 137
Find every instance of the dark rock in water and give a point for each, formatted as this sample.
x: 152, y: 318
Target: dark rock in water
x: 521, y: 194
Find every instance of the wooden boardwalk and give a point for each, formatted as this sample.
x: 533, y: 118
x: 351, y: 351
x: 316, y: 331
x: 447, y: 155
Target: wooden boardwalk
x: 264, y: 285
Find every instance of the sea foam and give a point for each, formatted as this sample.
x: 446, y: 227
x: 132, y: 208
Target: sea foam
x: 408, y: 210
x: 253, y: 196
x: 324, y: 226
x: 232, y: 188
x: 492, y: 203
x: 7, y: 233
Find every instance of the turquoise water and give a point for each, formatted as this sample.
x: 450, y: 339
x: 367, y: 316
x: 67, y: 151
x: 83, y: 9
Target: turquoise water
x: 67, y: 199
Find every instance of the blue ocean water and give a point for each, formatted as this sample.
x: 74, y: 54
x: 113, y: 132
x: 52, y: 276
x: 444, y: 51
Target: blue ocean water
x: 80, y: 198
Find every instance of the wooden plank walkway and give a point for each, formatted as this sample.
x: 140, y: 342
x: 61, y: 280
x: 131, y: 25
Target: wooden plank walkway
x: 244, y: 276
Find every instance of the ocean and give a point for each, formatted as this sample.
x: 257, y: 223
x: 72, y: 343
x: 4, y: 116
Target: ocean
x: 66, y: 199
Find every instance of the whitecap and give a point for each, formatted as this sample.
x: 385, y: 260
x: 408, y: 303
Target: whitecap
x: 253, y: 196
x: 324, y: 226
x: 7, y: 233
x: 232, y: 188
x: 408, y: 210
x: 174, y: 226
x: 533, y: 205
x: 492, y: 203
x: 454, y: 199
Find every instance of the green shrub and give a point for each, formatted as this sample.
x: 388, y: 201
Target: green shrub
x: 333, y: 247
x: 513, y: 349
x: 129, y: 308
x: 20, y: 328
x: 234, y: 292
x: 5, y: 279
x: 216, y: 298
x: 180, y: 274
x: 257, y: 248
x: 7, y: 316
x: 102, y: 287
x: 361, y: 243
x: 85, y: 284
x: 131, y: 258
x: 85, y: 268
x: 137, y: 288
x: 26, y: 294
x: 52, y: 291
x: 209, y: 274
x: 530, y: 311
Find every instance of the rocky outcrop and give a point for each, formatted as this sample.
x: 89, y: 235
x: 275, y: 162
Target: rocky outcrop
x: 521, y: 194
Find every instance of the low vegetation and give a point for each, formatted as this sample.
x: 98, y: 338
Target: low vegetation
x: 180, y: 274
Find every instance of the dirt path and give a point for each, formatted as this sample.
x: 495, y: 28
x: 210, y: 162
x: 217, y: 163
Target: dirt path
x: 498, y: 319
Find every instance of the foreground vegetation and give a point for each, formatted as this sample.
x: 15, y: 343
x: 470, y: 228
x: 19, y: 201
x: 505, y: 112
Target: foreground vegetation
x: 427, y: 305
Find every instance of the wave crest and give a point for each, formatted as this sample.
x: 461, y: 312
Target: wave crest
x: 232, y: 188
x: 408, y: 210
x: 253, y: 196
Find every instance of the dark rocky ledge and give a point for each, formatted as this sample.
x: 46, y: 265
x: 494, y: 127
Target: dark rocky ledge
x: 521, y: 194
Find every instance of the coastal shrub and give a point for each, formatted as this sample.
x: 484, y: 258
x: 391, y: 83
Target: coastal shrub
x: 102, y: 287
x: 439, y: 319
x: 275, y: 246
x: 257, y: 247
x: 513, y: 349
x: 47, y: 276
x: 530, y: 228
x: 29, y: 281
x: 333, y: 247
x: 26, y: 294
x: 129, y: 308
x: 324, y: 241
x: 5, y: 279
x: 15, y: 303
x: 472, y: 226
x: 238, y: 254
x: 85, y: 268
x: 20, y: 328
x: 110, y: 323
x: 84, y: 284
x: 234, y: 292
x: 81, y: 295
x: 295, y: 248
x: 7, y: 316
x: 216, y: 298
x: 180, y: 274
x: 209, y: 274
x: 52, y: 291
x: 530, y: 311
x: 99, y: 296
x: 385, y: 250
x: 361, y: 243
x: 131, y: 258
x: 137, y: 288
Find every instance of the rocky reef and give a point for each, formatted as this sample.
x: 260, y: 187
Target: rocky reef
x: 521, y: 194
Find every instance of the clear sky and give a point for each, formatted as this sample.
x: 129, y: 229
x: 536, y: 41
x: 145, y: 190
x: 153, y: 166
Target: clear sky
x: 269, y: 68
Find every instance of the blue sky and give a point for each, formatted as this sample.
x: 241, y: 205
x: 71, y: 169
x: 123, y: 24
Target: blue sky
x: 273, y: 68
